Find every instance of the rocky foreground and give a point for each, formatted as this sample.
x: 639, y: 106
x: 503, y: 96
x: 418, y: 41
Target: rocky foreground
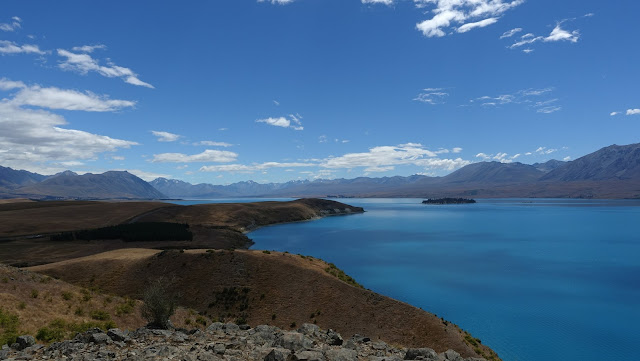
x: 220, y: 342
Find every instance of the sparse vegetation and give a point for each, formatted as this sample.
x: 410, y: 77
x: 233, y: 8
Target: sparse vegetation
x: 8, y: 327
x: 67, y: 296
x: 100, y: 315
x: 338, y: 273
x: 58, y: 329
x: 34, y: 293
x: 159, y: 304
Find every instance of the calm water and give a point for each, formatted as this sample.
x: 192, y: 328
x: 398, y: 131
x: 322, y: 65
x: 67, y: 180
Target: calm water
x: 548, y: 280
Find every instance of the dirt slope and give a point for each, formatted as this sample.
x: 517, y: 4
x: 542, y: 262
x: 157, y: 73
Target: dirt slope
x: 267, y: 288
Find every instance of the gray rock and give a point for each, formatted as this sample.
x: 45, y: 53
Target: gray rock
x: 244, y: 327
x: 216, y: 326
x: 99, y: 338
x: 308, y: 356
x: 450, y: 355
x: 309, y: 329
x: 379, y: 345
x: 360, y: 339
x: 341, y: 354
x: 385, y: 358
x: 231, y: 327
x: 276, y: 355
x: 334, y: 338
x: 24, y: 342
x: 117, y: 335
x: 219, y: 348
x: 422, y: 353
x: 4, y: 353
x: 293, y: 341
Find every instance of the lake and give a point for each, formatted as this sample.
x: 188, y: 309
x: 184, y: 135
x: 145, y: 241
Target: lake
x: 533, y: 279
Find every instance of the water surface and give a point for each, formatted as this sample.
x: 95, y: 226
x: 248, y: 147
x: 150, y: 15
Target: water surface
x: 535, y: 280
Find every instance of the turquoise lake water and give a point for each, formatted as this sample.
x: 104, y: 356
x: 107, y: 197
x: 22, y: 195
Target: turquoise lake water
x: 533, y: 279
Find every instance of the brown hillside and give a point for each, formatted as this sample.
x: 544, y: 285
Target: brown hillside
x: 266, y: 288
x: 38, y: 301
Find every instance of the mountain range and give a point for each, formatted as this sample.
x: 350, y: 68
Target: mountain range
x: 611, y: 172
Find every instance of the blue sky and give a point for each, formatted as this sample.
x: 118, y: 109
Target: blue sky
x: 231, y: 90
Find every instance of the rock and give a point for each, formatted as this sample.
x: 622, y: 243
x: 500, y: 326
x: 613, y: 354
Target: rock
x: 219, y: 348
x: 422, y: 353
x: 4, y: 353
x: 116, y: 335
x: 379, y: 345
x: 99, y: 338
x: 360, y: 339
x: 216, y: 326
x: 341, y: 354
x: 334, y: 338
x: 308, y: 356
x: 294, y: 341
x: 309, y: 329
x: 231, y: 327
x: 276, y: 355
x: 24, y: 342
x: 450, y: 355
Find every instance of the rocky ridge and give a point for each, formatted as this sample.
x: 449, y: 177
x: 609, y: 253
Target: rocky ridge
x: 221, y: 342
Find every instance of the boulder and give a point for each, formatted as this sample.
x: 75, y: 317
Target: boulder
x: 276, y: 355
x: 117, y: 335
x: 24, y: 342
x: 293, y: 341
x: 308, y: 356
x: 341, y: 354
x: 421, y: 353
x: 334, y: 338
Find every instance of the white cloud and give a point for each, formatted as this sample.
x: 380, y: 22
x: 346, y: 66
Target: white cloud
x: 633, y: 111
x: 432, y: 96
x: 557, y: 34
x: 448, y: 12
x: 56, y: 98
x: 277, y: 2
x: 478, y: 24
x: 88, y: 48
x: 293, y: 122
x: 322, y: 139
x: 213, y: 144
x: 549, y: 110
x: 545, y: 150
x: 241, y: 168
x: 384, y: 2
x: 84, y: 63
x: 165, y: 136
x: 9, y: 47
x: 499, y: 157
x: 276, y: 103
x: 567, y: 158
x: 147, y: 176
x: 525, y: 96
x: 11, y: 26
x: 614, y: 113
x: 218, y: 156
x: 527, y: 51
x: 34, y: 139
x: 117, y: 157
x: 510, y: 33
x: 456, y: 150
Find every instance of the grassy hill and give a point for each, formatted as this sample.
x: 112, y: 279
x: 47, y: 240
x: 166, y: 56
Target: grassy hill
x: 261, y: 287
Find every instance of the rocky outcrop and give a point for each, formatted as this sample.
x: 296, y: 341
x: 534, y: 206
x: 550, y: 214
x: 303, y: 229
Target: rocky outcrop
x: 222, y: 342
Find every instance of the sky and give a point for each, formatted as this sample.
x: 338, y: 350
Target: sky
x: 278, y: 90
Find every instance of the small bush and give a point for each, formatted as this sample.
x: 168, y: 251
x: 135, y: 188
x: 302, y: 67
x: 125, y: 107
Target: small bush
x: 100, y: 315
x: 34, y: 293
x: 266, y: 252
x: 22, y: 305
x: 67, y: 296
x: 292, y: 325
x: 79, y: 311
x: 159, y: 304
x: 8, y: 327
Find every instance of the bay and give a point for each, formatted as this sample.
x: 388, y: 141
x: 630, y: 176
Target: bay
x: 540, y: 279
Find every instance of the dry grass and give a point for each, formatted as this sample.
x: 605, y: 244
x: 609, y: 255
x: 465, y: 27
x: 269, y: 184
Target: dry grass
x: 252, y: 285
x: 38, y: 300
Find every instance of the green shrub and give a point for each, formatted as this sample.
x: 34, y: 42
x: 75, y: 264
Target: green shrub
x: 100, y: 315
x: 34, y: 293
x: 67, y: 296
x: 8, y: 327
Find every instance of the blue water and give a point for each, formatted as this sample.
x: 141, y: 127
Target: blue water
x: 547, y: 280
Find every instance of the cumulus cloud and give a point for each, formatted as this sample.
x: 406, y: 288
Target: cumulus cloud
x: 456, y: 150
x: 432, y: 96
x: 31, y: 139
x: 557, y: 34
x: 165, y: 136
x: 633, y: 111
x: 83, y: 63
x: 213, y: 144
x: 501, y: 157
x: 545, y: 150
x: 13, y: 25
x: 293, y: 122
x: 66, y: 99
x: 376, y: 159
x: 209, y: 155
x: 9, y: 48
x: 470, y: 14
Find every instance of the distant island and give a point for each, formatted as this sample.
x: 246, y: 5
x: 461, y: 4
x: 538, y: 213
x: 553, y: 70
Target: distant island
x: 449, y: 201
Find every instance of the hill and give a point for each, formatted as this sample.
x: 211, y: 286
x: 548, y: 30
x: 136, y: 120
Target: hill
x: 493, y: 172
x: 10, y: 178
x: 611, y: 163
x: 108, y: 185
x: 267, y: 288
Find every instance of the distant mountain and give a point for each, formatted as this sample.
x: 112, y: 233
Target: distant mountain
x: 11, y: 178
x: 549, y: 165
x: 494, y: 172
x: 615, y: 162
x: 109, y: 185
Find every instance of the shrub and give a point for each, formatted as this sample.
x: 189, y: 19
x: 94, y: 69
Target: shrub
x: 34, y: 293
x: 67, y: 296
x: 100, y: 315
x: 159, y: 304
x: 8, y: 327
